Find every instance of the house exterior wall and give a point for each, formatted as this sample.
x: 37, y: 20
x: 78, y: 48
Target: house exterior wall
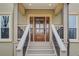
x: 22, y: 19
x: 58, y: 19
x: 6, y: 7
x: 6, y: 47
x: 74, y: 48
x: 9, y: 47
x: 74, y: 44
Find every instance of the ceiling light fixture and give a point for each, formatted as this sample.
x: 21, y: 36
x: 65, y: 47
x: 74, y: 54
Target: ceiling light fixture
x: 50, y: 4
x: 30, y: 4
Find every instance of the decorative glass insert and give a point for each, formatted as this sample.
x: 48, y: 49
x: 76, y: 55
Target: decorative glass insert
x: 20, y: 31
x: 39, y: 25
x: 47, y: 25
x: 4, y: 27
x: 72, y: 27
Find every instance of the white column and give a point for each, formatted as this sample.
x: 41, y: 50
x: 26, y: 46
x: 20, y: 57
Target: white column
x: 15, y: 19
x: 65, y: 23
x: 78, y: 28
x: 20, y: 52
x: 63, y: 53
x: 0, y: 27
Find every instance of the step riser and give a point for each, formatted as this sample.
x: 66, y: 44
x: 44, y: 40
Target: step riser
x: 40, y: 55
x: 40, y: 52
x: 40, y: 49
x: 39, y: 44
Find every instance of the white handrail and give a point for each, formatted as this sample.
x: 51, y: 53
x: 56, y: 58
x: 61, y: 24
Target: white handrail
x: 58, y: 39
x: 22, y: 41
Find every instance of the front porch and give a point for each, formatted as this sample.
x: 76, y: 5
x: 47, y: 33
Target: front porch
x: 52, y: 44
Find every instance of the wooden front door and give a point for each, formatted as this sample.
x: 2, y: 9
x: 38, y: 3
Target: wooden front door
x: 39, y: 28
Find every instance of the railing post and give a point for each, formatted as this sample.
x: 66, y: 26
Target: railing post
x: 61, y: 49
x: 63, y: 53
x: 65, y: 22
x: 51, y: 37
x: 23, y: 41
x: 20, y: 52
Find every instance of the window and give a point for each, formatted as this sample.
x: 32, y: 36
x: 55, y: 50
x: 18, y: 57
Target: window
x: 4, y: 26
x: 72, y: 27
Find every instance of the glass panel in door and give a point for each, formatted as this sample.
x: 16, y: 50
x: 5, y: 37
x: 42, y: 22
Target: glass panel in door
x: 39, y: 29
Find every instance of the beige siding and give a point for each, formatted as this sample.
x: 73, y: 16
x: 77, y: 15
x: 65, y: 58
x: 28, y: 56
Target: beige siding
x: 21, y: 8
x: 58, y: 8
x: 58, y: 19
x: 74, y: 46
x: 40, y: 12
x: 6, y: 7
x: 74, y: 49
x: 6, y: 49
x: 22, y: 19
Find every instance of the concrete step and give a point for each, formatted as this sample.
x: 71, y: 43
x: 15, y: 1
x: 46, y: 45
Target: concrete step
x: 40, y: 48
x: 39, y: 44
x: 40, y: 52
x: 40, y: 55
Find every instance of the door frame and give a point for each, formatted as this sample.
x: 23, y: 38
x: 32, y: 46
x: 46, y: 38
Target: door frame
x: 36, y: 35
x: 40, y: 15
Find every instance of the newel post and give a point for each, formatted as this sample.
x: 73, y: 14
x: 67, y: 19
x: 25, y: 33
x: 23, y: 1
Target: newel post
x: 65, y: 23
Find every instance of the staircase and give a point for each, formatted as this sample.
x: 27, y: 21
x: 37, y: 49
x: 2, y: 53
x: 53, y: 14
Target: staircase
x: 53, y: 47
x: 40, y: 49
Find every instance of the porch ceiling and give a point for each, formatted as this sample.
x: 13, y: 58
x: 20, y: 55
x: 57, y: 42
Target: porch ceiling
x: 39, y: 5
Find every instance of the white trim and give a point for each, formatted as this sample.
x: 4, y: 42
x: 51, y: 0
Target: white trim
x: 77, y: 27
x: 22, y: 41
x: 40, y: 15
x: 21, y: 25
x: 0, y: 29
x: 10, y: 26
x: 5, y: 13
x: 74, y: 40
x: 5, y: 40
